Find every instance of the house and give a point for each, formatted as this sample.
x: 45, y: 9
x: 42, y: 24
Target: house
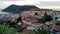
x: 50, y: 22
x: 31, y: 19
x: 56, y: 15
x: 11, y: 17
x: 24, y: 25
x: 32, y: 28
x: 56, y: 28
x: 31, y: 25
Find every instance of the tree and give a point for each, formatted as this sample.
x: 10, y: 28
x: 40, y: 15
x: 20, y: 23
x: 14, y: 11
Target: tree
x: 58, y: 23
x: 19, y: 19
x: 14, y: 25
x: 19, y: 29
x: 11, y: 24
x: 6, y: 30
x: 41, y: 30
x: 41, y: 20
x: 56, y: 18
x: 47, y: 17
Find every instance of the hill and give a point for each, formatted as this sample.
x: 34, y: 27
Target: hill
x: 20, y: 9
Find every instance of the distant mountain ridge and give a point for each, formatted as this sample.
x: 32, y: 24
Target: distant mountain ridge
x: 20, y: 9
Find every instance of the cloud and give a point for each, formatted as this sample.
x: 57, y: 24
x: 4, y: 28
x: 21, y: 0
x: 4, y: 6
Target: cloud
x: 18, y: 2
x: 25, y: 0
x: 22, y: 2
x: 29, y: 2
x: 56, y: 3
x: 3, y: 5
x: 32, y: 2
x: 9, y: 0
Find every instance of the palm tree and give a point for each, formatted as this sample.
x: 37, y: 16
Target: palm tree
x: 41, y: 30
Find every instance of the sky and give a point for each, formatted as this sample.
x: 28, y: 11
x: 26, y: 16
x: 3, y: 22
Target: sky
x: 21, y: 2
x: 38, y: 3
x: 5, y: 3
x: 29, y: 2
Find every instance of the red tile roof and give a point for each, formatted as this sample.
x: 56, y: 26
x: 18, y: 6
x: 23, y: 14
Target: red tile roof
x: 24, y: 25
x: 51, y: 22
x: 37, y: 24
x: 56, y: 28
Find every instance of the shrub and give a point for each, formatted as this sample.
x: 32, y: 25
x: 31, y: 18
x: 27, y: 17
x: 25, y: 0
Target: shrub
x: 41, y: 30
x: 58, y: 23
x: 41, y: 20
x: 19, y: 29
x: 45, y: 18
x: 6, y: 30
